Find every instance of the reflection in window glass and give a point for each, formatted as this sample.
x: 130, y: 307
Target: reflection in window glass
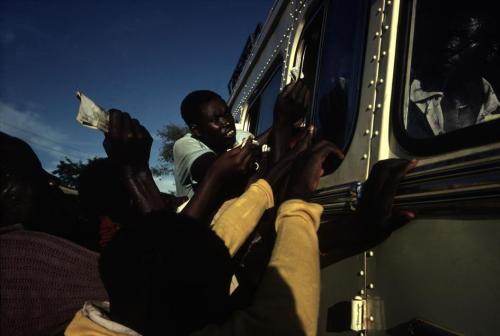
x: 262, y: 108
x: 454, y: 70
x: 306, y: 59
x: 340, y: 71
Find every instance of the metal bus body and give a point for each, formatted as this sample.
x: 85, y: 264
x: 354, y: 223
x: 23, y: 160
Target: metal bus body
x: 439, y: 274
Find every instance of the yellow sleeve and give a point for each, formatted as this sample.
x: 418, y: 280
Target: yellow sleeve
x: 236, y: 221
x: 287, y: 301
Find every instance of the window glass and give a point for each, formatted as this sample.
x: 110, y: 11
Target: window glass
x: 454, y: 69
x: 262, y: 108
x: 306, y: 59
x: 340, y: 69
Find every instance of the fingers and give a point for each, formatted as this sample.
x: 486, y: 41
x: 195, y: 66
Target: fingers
x: 302, y: 140
x: 327, y: 148
x: 288, y: 89
x: 114, y: 123
x: 126, y: 131
x: 395, y: 171
x: 399, y: 218
x: 307, y: 99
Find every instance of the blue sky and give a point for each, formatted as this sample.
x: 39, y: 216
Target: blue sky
x: 142, y: 57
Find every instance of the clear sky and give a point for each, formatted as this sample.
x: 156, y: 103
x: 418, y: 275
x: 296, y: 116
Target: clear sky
x: 142, y: 57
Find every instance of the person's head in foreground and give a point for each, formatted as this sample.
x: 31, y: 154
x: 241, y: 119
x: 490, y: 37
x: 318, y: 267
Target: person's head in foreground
x: 170, y: 274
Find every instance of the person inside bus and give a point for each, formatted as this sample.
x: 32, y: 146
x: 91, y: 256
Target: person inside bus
x: 213, y: 132
x: 452, y: 87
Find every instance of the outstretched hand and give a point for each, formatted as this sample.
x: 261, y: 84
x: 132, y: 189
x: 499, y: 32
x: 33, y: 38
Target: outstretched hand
x: 233, y: 165
x: 375, y: 210
x: 308, y: 169
x: 128, y: 143
x: 292, y: 103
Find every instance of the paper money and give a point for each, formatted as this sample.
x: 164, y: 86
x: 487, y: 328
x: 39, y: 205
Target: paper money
x: 92, y: 115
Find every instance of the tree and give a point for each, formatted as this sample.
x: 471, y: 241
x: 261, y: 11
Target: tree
x: 168, y: 135
x: 68, y: 171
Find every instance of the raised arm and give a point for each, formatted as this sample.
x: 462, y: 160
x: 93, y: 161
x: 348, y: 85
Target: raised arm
x: 287, y: 301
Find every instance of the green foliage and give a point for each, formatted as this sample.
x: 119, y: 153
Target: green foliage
x: 168, y: 135
x: 69, y: 171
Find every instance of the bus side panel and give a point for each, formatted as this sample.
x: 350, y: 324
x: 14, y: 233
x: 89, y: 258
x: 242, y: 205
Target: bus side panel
x: 443, y: 271
x: 340, y: 283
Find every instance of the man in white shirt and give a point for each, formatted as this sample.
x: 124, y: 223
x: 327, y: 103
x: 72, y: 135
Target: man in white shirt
x: 212, y: 133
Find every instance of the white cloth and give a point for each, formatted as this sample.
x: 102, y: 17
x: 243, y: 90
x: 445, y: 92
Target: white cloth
x: 98, y: 312
x: 186, y: 150
x: 429, y: 103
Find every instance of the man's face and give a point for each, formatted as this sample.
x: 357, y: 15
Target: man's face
x: 216, y: 125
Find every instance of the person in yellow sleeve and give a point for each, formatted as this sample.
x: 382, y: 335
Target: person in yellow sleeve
x: 170, y: 275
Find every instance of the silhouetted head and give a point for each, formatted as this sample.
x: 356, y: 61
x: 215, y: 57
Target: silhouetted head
x: 102, y: 193
x: 168, y: 273
x: 209, y: 119
x: 28, y: 194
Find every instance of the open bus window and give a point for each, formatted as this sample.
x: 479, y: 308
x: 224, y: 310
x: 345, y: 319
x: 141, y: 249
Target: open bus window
x: 453, y: 71
x: 262, y: 107
x: 340, y: 72
x: 340, y: 60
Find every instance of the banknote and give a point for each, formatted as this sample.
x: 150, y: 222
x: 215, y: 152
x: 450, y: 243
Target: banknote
x: 92, y: 115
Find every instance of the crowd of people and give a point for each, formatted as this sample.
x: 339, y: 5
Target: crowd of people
x: 240, y: 257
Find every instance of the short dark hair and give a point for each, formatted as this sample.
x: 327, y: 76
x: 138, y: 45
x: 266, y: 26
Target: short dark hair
x: 100, y: 190
x: 177, y: 268
x: 191, y: 104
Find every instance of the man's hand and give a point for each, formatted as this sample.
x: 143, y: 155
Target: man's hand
x: 279, y: 171
x: 308, y: 169
x: 128, y: 143
x: 233, y: 165
x: 375, y: 211
x: 292, y: 103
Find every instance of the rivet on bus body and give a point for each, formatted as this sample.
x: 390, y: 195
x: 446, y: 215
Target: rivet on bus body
x: 372, y: 82
x: 381, y: 81
x: 362, y: 291
x: 370, y: 106
x: 379, y: 10
x: 377, y: 34
x: 375, y: 133
x: 374, y: 57
x: 361, y: 273
x: 372, y: 319
x: 371, y: 254
x: 371, y: 286
x: 367, y: 132
x: 379, y: 106
x: 386, y: 27
x: 364, y: 157
x: 389, y: 2
x: 384, y: 53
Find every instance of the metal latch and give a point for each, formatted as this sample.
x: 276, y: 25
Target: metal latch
x: 358, y: 311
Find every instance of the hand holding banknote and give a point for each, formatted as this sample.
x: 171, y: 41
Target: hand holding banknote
x: 92, y: 115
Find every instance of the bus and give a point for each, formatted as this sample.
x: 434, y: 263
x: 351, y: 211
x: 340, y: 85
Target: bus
x: 395, y: 79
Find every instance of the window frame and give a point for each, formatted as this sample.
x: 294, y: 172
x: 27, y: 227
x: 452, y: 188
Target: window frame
x: 276, y: 66
x: 297, y: 61
x: 472, y: 136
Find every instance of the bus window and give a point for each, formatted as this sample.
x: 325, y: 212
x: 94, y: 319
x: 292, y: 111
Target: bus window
x: 454, y: 71
x: 341, y: 61
x: 262, y: 108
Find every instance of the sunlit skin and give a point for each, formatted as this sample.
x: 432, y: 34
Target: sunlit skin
x: 215, y: 126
